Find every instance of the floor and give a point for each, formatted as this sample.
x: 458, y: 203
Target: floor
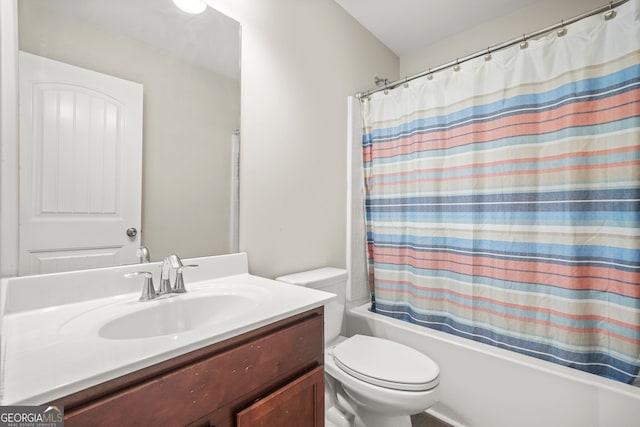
x: 426, y: 420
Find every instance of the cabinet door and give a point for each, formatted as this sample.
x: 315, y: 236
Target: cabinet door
x: 299, y: 403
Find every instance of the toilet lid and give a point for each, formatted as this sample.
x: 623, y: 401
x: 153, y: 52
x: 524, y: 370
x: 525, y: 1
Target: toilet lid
x: 386, y: 363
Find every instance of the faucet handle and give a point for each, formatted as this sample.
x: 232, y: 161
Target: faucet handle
x: 179, y: 286
x: 148, y: 291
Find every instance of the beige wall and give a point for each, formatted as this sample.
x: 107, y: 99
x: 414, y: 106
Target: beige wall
x: 190, y: 114
x: 300, y: 61
x: 526, y: 20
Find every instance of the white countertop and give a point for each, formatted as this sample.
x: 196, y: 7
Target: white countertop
x: 52, y: 351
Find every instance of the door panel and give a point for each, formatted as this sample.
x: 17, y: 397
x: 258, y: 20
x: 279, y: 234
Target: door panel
x: 80, y: 167
x: 51, y: 261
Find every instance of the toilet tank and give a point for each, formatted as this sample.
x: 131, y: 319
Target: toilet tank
x: 328, y: 279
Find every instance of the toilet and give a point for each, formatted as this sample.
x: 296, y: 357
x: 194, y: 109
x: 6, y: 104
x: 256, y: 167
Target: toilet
x: 369, y: 381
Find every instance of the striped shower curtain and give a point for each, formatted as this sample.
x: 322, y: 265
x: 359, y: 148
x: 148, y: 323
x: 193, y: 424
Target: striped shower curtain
x: 502, y: 199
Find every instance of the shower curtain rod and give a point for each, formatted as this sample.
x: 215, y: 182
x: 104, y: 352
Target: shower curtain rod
x: 610, y: 13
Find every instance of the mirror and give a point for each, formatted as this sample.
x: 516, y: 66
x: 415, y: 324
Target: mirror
x: 189, y: 67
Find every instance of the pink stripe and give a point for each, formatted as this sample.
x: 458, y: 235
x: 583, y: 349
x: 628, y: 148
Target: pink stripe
x: 509, y: 305
x: 596, y: 153
x: 573, y: 277
x: 580, y: 114
x: 524, y: 319
x: 510, y: 173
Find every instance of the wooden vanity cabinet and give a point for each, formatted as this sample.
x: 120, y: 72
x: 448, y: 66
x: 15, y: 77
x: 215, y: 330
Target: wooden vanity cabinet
x: 272, y: 376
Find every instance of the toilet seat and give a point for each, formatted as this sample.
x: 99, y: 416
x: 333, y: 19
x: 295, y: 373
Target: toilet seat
x: 386, y: 364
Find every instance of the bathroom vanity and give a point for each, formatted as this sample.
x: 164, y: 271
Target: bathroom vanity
x: 236, y: 349
x: 272, y: 376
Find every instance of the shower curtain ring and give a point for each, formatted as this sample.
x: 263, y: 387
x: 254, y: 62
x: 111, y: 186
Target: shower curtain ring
x: 524, y: 44
x: 610, y: 14
x: 487, y: 57
x: 429, y: 75
x: 457, y: 66
x: 562, y: 31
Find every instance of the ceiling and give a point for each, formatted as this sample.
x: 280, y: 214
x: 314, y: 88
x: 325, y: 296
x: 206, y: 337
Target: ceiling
x: 210, y: 39
x: 402, y: 25
x: 407, y: 25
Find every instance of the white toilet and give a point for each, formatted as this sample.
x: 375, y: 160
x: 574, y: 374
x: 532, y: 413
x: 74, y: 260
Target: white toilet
x: 369, y: 381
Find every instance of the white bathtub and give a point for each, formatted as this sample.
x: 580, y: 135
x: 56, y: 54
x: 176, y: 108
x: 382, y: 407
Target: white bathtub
x: 484, y: 386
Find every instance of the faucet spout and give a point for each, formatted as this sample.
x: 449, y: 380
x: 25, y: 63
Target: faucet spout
x: 143, y: 254
x: 172, y: 262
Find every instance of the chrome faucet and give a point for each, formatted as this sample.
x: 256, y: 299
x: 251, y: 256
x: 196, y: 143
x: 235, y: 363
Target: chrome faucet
x: 172, y: 262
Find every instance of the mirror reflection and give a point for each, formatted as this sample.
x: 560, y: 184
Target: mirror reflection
x: 89, y: 151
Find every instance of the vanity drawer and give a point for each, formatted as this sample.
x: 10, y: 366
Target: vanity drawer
x: 235, y: 376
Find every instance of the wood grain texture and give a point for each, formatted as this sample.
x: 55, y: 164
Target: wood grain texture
x: 299, y: 403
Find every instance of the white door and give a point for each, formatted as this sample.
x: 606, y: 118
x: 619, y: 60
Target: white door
x: 80, y: 167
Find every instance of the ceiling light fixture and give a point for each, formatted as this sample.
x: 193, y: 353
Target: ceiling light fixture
x: 191, y: 6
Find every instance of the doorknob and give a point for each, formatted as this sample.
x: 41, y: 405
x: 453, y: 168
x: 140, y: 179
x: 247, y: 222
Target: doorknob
x: 132, y: 232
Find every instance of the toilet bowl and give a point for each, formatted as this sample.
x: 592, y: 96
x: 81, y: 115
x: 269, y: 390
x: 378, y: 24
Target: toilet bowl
x: 369, y: 381
x: 385, y: 381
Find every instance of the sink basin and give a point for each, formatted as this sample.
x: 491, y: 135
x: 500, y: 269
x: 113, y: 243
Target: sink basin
x: 175, y: 315
x: 206, y: 310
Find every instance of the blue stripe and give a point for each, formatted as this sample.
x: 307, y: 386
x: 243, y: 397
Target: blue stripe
x: 595, y: 88
x: 512, y: 141
x: 487, y: 208
x: 574, y: 218
x: 543, y: 351
x: 533, y: 166
x: 606, y: 194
